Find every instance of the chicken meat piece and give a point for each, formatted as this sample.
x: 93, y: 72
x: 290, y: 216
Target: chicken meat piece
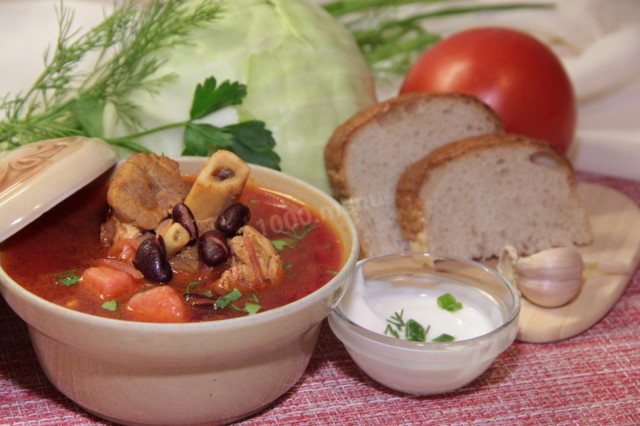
x: 255, y: 264
x: 112, y: 231
x: 144, y: 189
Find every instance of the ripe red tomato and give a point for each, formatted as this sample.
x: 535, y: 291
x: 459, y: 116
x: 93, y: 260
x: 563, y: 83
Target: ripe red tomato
x: 514, y: 73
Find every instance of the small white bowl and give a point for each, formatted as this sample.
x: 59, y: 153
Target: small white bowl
x: 195, y: 373
x: 412, y: 278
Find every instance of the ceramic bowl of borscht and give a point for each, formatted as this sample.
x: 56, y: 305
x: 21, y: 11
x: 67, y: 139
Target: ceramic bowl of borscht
x: 151, y: 300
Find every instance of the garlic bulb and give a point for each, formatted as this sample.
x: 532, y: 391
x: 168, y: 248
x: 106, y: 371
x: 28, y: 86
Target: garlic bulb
x: 549, y: 278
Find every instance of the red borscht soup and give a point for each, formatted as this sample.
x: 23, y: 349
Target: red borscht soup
x: 62, y: 258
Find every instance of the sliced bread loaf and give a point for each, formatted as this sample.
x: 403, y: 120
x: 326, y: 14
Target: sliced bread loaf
x: 367, y: 154
x: 472, y: 197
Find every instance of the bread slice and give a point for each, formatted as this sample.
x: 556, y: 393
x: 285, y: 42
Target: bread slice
x: 472, y: 197
x: 367, y: 154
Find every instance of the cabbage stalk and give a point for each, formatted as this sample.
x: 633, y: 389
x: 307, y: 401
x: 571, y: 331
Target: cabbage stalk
x: 303, y: 71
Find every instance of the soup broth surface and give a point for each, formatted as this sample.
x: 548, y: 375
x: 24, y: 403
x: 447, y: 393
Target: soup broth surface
x: 66, y: 241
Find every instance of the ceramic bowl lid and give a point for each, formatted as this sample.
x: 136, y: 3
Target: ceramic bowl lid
x: 37, y: 176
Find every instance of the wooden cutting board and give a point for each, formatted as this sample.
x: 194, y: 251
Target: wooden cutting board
x: 615, y: 219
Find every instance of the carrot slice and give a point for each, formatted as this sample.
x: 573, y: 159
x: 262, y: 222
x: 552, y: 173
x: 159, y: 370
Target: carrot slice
x: 159, y: 304
x: 107, y: 283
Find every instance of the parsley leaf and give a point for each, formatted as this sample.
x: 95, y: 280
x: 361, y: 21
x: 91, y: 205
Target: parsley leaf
x: 254, y: 143
x: 250, y: 140
x: 209, y: 98
x: 192, y: 285
x: 252, y: 308
x: 223, y: 301
x: 283, y: 243
x: 204, y: 139
x: 414, y: 331
x: 444, y: 337
x: 449, y: 303
x: 110, y: 305
x: 67, y: 278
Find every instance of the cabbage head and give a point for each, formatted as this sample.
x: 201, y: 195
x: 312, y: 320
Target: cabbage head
x: 303, y: 71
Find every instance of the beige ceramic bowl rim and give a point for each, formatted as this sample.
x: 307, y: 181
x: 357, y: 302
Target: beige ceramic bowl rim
x: 404, y: 345
x: 231, y: 323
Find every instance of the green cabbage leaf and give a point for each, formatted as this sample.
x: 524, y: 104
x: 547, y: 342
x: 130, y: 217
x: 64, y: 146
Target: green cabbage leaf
x: 303, y: 70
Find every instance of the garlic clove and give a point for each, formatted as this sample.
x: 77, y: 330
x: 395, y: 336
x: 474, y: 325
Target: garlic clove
x: 549, y: 278
x: 549, y: 293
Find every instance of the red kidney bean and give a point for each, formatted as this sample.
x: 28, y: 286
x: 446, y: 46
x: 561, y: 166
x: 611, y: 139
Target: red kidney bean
x: 151, y: 260
x: 213, y: 247
x: 182, y: 214
x: 233, y: 218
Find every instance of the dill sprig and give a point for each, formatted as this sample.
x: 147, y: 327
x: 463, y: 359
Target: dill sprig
x: 69, y: 96
x: 391, y: 45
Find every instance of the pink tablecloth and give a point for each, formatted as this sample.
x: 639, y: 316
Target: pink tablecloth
x: 593, y: 378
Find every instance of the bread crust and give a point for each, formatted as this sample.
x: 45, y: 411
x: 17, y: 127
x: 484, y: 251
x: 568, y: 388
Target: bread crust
x: 405, y: 108
x: 409, y: 206
x: 338, y: 144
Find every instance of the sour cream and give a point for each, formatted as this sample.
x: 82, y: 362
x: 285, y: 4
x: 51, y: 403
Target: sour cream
x: 412, y: 282
x: 371, y: 302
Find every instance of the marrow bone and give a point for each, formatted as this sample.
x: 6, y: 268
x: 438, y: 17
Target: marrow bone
x: 217, y: 186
